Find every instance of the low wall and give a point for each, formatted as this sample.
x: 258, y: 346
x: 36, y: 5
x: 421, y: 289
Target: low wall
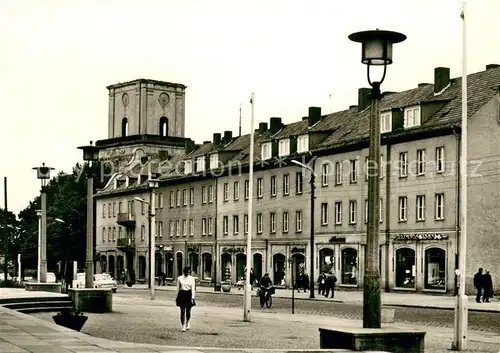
x: 92, y: 300
x: 43, y: 287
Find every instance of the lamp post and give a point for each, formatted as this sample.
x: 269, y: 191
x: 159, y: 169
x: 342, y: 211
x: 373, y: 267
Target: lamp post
x: 377, y: 51
x: 291, y: 261
x: 43, y: 174
x: 91, y: 156
x: 312, y: 241
x: 152, y: 184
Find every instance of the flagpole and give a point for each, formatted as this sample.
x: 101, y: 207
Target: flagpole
x: 248, y: 288
x: 461, y: 313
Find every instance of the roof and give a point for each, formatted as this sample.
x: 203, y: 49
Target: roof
x: 145, y: 80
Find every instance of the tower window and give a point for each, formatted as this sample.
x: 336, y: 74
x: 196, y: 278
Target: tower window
x: 124, y: 127
x: 163, y: 126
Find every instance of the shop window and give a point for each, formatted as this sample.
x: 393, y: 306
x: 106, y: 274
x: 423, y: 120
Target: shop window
x: 142, y: 267
x: 169, y: 265
x: 405, y: 268
x: 279, y: 262
x: 207, y: 266
x: 194, y: 263
x: 257, y: 265
x: 326, y: 260
x: 435, y: 269
x: 226, y: 262
x: 349, y: 266
x: 241, y: 262
x: 180, y: 264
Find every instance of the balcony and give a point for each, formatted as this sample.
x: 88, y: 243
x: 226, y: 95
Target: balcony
x: 125, y: 244
x: 126, y: 220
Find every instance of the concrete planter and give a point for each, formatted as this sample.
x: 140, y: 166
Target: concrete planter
x: 43, y: 287
x: 92, y: 300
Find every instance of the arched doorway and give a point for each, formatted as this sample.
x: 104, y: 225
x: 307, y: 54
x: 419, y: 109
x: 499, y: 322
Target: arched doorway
x: 279, y: 263
x: 169, y: 265
x: 179, y: 263
x: 226, y: 264
x: 163, y: 126
x: 257, y: 265
x: 241, y: 263
x: 326, y: 260
x: 435, y: 269
x: 142, y: 267
x: 206, y: 260
x: 405, y: 268
x: 299, y: 262
x: 158, y: 264
x: 349, y: 266
x: 124, y: 127
x: 194, y: 262
x: 111, y: 266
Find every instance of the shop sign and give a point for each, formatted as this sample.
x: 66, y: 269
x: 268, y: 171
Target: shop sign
x: 336, y: 239
x: 299, y: 250
x: 423, y: 236
x: 233, y: 250
x: 168, y: 248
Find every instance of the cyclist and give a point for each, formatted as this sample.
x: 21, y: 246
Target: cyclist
x: 265, y: 288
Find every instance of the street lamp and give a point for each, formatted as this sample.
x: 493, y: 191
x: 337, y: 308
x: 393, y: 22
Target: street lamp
x: 377, y: 51
x: 313, y: 197
x: 91, y: 156
x: 291, y: 261
x: 43, y: 174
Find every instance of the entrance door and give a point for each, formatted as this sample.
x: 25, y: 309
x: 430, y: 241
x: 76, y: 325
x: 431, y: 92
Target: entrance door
x: 279, y: 261
x: 241, y: 262
x: 257, y: 266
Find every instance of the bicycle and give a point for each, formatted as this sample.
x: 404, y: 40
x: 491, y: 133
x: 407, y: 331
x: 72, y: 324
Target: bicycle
x: 268, y: 299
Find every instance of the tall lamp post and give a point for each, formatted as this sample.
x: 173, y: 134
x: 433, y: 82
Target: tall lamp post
x: 313, y: 197
x: 91, y: 156
x: 377, y: 51
x: 152, y: 184
x: 43, y: 174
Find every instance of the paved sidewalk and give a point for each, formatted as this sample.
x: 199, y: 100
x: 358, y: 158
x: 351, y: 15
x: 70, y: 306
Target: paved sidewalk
x: 388, y: 298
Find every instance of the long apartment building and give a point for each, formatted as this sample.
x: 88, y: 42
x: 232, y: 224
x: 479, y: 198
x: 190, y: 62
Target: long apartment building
x: 202, y: 199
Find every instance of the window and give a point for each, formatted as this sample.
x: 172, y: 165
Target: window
x: 156, y: 229
x: 203, y: 226
x: 171, y: 228
x: 177, y: 228
x: 120, y: 207
x: 298, y: 221
x: 324, y: 214
x: 286, y: 222
x: 353, y: 205
x: 132, y: 207
x: 103, y: 234
x: 403, y: 164
x: 338, y: 173
x: 412, y: 117
x: 324, y: 174
x: 302, y: 143
x: 143, y: 232
x: 114, y: 209
x: 236, y: 224
x: 259, y: 223
x: 273, y: 185
x: 439, y: 206
x: 178, y: 198
x: 157, y: 201
x: 272, y: 222
x: 225, y: 225
x: 440, y: 159
x: 420, y: 162
x: 236, y: 190
x: 402, y: 204
x: 160, y: 199
x: 109, y: 234
x: 210, y: 193
x: 143, y: 208
x: 266, y: 150
x: 420, y: 207
x: 160, y: 229
x: 119, y: 232
x: 184, y: 197
x: 163, y: 126
x: 435, y: 269
x: 354, y: 171
x: 184, y: 227
x: 259, y: 187
x: 172, y: 199
x: 203, y: 194
x: 245, y: 224
x: 286, y: 184
x: 338, y: 212
x: 214, y: 161
x: 200, y: 164
x: 247, y: 189
x: 349, y: 266
x: 191, y: 227
x: 385, y: 122
x: 298, y: 182
x: 191, y: 196
x: 104, y: 211
x: 405, y: 268
x: 188, y: 167
x: 367, y: 169
x: 225, y: 190
x: 366, y: 211
x: 284, y: 147
x: 114, y: 234
x: 109, y: 210
x: 210, y: 226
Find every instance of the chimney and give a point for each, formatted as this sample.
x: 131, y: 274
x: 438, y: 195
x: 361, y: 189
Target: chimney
x: 274, y: 125
x: 441, y: 78
x: 492, y: 66
x: 314, y: 115
x: 228, y: 136
x: 305, y: 118
x: 364, y: 98
x: 353, y: 106
x: 262, y: 128
x: 217, y: 139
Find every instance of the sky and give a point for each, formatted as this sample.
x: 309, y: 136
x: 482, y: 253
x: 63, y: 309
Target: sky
x: 58, y: 56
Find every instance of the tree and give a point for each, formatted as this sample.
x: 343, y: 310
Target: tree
x: 9, y: 231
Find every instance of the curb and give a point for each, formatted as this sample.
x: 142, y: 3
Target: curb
x: 441, y: 308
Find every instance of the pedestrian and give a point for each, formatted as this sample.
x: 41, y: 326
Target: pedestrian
x: 479, y: 284
x: 185, y: 296
x: 330, y: 284
x: 321, y: 284
x: 488, y: 287
x: 298, y: 282
x: 305, y: 282
x: 252, y: 278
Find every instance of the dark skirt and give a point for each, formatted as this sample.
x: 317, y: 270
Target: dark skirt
x: 184, y: 298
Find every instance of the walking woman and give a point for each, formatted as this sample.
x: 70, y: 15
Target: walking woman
x: 185, y: 296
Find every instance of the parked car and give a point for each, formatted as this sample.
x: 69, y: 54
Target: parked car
x: 51, y: 277
x: 101, y: 280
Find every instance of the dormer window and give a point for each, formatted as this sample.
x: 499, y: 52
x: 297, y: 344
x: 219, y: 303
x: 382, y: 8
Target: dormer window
x: 303, y: 143
x: 412, y: 116
x: 385, y: 122
x: 214, y: 161
x: 188, y: 167
x: 284, y: 147
x: 266, y: 150
x: 200, y: 164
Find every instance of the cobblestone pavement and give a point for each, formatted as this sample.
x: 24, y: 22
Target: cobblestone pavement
x: 138, y: 319
x: 478, y: 321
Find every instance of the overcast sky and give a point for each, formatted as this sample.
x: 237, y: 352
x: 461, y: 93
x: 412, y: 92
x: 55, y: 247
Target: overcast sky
x: 58, y: 57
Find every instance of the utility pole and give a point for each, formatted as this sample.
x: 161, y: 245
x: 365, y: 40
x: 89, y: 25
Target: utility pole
x: 5, y: 236
x: 313, y: 196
